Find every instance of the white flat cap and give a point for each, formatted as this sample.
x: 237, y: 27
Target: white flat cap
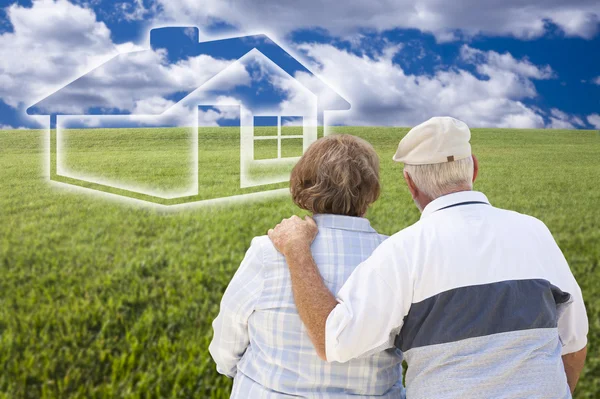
x: 440, y: 139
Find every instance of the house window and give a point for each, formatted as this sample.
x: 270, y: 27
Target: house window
x: 277, y: 137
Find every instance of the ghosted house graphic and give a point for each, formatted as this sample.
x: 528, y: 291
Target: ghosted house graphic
x: 214, y: 81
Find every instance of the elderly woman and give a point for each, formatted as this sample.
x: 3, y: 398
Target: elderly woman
x: 259, y: 339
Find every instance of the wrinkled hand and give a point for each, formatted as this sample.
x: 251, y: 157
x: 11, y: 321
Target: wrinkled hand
x: 293, y: 234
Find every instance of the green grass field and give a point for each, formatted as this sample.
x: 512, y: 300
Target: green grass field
x: 101, y: 298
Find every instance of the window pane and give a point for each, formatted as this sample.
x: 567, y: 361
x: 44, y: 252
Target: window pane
x: 291, y: 125
x: 291, y: 147
x: 265, y: 149
x: 265, y: 126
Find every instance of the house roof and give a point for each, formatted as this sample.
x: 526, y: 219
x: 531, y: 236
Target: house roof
x: 180, y: 43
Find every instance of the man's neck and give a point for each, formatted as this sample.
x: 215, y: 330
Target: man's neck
x: 426, y: 201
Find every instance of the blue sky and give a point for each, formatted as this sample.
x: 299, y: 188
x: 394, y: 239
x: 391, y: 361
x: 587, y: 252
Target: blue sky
x: 498, y: 64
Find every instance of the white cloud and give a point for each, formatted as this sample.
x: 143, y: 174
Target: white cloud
x: 556, y: 123
x: 195, y: 71
x: 211, y: 117
x: 136, y: 10
x: 577, y: 121
x: 9, y: 127
x: 561, y: 120
x: 208, y: 118
x: 136, y: 81
x: 142, y: 82
x: 55, y: 41
x: 594, y: 120
x: 151, y: 106
x: 382, y: 93
x: 446, y: 20
x: 52, y: 42
x: 492, y: 61
x: 597, y: 81
x: 576, y: 19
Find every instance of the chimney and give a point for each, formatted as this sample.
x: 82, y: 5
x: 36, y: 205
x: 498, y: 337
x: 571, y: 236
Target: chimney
x: 179, y: 41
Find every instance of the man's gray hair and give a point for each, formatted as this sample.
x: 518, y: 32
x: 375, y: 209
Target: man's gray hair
x: 439, y: 179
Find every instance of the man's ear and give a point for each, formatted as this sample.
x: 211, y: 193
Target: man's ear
x: 414, y: 191
x: 475, y: 167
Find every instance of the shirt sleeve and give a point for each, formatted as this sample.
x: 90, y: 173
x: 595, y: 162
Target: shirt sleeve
x: 231, y: 338
x: 573, y: 323
x: 572, y: 317
x: 372, y: 305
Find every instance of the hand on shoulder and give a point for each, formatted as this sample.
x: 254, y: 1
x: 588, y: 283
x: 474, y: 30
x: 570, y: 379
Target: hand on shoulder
x: 293, y: 234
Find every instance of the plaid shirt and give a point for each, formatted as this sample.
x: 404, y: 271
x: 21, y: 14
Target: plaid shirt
x: 260, y: 340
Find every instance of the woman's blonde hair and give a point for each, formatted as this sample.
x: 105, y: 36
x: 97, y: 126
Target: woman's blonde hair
x: 338, y: 174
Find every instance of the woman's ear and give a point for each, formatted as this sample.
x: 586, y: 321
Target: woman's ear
x: 475, y: 167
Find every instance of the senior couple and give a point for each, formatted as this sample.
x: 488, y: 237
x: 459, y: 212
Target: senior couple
x: 478, y: 300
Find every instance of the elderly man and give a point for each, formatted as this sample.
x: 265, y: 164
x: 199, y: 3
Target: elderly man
x: 481, y: 300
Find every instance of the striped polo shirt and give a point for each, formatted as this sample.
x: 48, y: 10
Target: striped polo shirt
x: 481, y: 301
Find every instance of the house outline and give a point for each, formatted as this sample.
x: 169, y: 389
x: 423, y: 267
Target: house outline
x: 254, y: 45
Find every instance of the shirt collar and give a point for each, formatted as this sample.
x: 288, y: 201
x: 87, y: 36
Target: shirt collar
x: 342, y: 222
x: 452, y: 199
